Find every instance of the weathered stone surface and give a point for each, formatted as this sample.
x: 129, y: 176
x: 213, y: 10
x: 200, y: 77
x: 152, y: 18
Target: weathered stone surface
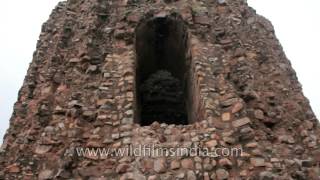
x: 225, y: 162
x: 237, y: 107
x: 213, y: 74
x: 222, y: 174
x: 241, y: 122
x: 122, y: 168
x: 75, y: 60
x: 226, y: 116
x: 212, y: 143
x: 187, y: 164
x: 222, y: 1
x: 175, y: 164
x: 147, y: 165
x: 91, y: 171
x: 191, y: 175
x: 45, y: 175
x: 160, y: 165
x: 13, y: 168
x: 202, y: 20
x: 42, y: 149
x: 258, y: 114
x: 287, y: 139
x: 258, y: 162
x: 133, y: 175
x: 153, y: 177
x: 266, y: 175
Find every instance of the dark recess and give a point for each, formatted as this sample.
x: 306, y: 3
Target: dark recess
x: 161, y: 72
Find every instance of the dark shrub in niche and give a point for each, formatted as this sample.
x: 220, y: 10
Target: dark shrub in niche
x: 162, y: 99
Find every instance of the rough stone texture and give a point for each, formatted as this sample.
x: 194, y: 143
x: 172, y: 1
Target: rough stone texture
x: 80, y: 91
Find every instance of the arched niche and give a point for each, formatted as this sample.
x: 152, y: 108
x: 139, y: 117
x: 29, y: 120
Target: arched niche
x: 162, y: 71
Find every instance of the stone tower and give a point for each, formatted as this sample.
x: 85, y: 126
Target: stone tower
x: 117, y: 74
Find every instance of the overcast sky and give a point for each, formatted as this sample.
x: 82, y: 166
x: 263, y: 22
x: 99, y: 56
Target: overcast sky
x: 297, y: 25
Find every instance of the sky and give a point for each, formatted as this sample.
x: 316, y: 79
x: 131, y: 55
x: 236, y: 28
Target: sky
x: 296, y: 22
